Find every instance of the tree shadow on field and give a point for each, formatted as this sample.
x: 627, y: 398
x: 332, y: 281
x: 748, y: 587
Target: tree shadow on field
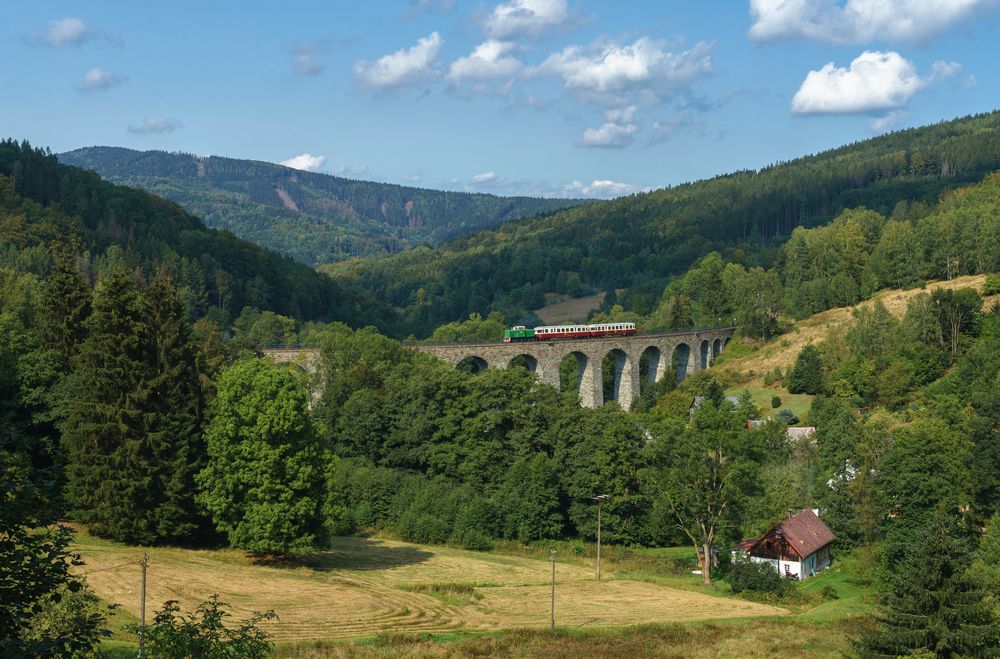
x: 353, y: 553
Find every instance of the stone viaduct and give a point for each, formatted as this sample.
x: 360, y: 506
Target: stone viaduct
x: 686, y: 351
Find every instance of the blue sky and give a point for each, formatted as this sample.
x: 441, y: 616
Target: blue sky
x: 553, y: 97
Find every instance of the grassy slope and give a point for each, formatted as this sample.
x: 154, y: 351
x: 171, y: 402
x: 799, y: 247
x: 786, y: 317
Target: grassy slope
x: 443, y: 602
x: 753, y: 363
x: 364, y: 587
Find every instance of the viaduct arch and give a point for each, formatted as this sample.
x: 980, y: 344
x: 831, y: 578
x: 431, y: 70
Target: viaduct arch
x: 687, y: 351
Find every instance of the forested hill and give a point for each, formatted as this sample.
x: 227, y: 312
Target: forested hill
x: 46, y: 206
x: 315, y: 218
x: 639, y: 242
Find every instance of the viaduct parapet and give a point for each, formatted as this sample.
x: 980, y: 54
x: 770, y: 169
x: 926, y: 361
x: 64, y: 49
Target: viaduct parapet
x: 673, y: 354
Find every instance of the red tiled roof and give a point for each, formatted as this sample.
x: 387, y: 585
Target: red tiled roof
x: 745, y: 545
x: 806, y: 532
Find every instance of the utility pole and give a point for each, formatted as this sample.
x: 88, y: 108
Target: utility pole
x: 552, y: 554
x: 142, y: 607
x: 600, y: 499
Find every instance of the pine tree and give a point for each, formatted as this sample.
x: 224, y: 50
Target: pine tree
x: 807, y: 375
x: 934, y: 606
x: 108, y: 479
x: 173, y: 419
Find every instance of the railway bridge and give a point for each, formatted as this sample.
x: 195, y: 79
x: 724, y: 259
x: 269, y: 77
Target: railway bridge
x: 675, y: 353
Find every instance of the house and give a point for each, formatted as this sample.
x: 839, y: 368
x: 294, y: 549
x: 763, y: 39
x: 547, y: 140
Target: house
x: 797, y: 547
x: 793, y: 433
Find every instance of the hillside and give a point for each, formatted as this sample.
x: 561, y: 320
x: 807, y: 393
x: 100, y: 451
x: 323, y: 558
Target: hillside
x: 744, y: 367
x: 315, y: 218
x: 46, y: 206
x: 641, y: 241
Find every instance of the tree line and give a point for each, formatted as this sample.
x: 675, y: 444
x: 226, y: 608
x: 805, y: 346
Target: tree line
x: 641, y: 242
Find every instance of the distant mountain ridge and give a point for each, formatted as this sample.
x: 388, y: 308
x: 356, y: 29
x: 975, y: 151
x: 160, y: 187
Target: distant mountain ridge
x: 315, y: 218
x: 639, y: 242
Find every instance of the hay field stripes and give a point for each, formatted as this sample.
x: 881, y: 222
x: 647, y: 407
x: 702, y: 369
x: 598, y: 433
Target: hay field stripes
x: 357, y: 589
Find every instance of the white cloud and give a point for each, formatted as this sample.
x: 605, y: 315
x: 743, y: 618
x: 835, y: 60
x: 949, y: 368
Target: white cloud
x: 644, y: 65
x: 65, y: 32
x: 306, y: 162
x: 485, y: 178
x: 884, y: 123
x: 98, y: 79
x: 525, y: 18
x: 669, y: 129
x: 406, y: 66
x: 155, y: 126
x: 350, y: 171
x: 415, y: 177
x: 859, y: 21
x: 490, y: 59
x: 600, y: 188
x: 304, y: 62
x: 942, y: 70
x: 616, y: 132
x: 875, y: 82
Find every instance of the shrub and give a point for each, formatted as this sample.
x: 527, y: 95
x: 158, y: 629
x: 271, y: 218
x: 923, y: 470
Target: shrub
x: 775, y: 402
x: 787, y: 417
x: 202, y: 634
x: 430, y: 530
x: 476, y: 540
x: 768, y: 379
x: 992, y: 285
x: 829, y: 593
x: 757, y: 578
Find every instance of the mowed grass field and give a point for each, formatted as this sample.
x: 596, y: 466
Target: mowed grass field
x: 364, y: 587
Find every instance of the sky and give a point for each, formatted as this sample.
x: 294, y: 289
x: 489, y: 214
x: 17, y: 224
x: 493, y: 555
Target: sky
x: 574, y: 98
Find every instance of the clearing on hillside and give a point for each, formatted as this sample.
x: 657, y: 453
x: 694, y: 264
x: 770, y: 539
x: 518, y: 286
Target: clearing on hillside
x: 573, y: 310
x: 782, y: 350
x: 363, y: 587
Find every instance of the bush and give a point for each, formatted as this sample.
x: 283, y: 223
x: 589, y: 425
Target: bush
x: 992, y: 285
x: 829, y: 593
x: 202, y: 634
x: 768, y: 379
x: 787, y: 417
x: 430, y: 530
x: 775, y: 402
x: 475, y: 540
x: 757, y: 577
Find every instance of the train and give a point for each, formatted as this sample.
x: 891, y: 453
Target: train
x: 519, y: 333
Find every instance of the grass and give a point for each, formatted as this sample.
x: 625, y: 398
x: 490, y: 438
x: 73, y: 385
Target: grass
x: 364, y: 587
x: 572, y: 310
x: 755, y: 637
x: 797, y: 403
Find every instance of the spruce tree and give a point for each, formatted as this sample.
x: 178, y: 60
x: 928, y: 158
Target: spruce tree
x: 66, y: 299
x: 807, y: 375
x: 108, y: 476
x: 173, y: 419
x: 933, y: 606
